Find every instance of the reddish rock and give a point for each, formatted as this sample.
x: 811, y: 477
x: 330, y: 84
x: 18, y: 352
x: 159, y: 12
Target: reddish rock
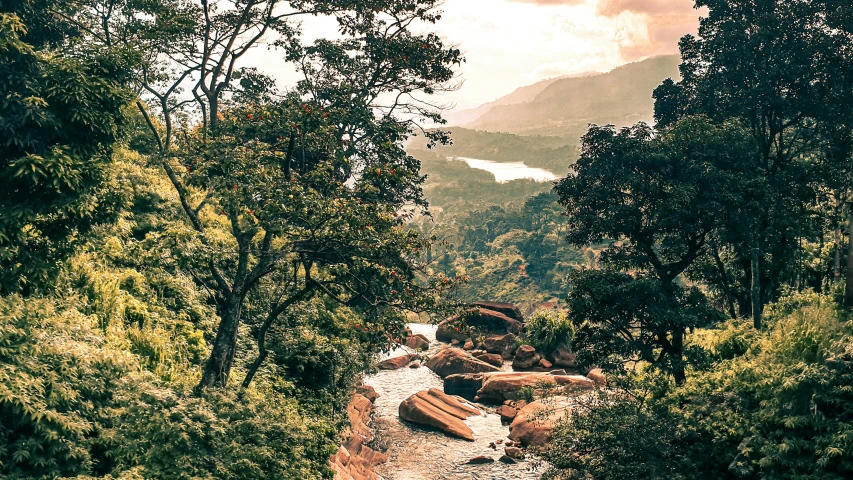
x: 436, y: 409
x: 451, y: 361
x: 481, y: 460
x: 465, y: 386
x: 396, y: 362
x: 415, y: 364
x: 507, y: 412
x: 503, y: 345
x: 525, y: 358
x: 354, y: 460
x: 501, y: 386
x: 417, y: 342
x: 479, y: 319
x: 597, y: 376
x: 562, y: 357
x: 367, y: 391
x: 507, y: 309
x: 469, y: 344
x: 573, y: 382
x: 514, y: 452
x: 545, y: 364
x: 490, y: 358
x: 534, y: 424
x: 455, y: 342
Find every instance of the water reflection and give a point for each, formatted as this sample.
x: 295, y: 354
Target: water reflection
x: 505, y: 172
x: 420, y: 454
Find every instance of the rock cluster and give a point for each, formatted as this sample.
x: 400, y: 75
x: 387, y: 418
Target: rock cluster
x: 354, y: 460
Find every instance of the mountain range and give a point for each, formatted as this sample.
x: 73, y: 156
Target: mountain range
x: 564, y: 106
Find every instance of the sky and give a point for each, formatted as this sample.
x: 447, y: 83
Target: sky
x: 512, y: 43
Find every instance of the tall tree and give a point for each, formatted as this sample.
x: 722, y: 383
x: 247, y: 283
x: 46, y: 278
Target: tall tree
x: 776, y: 65
x: 310, y: 185
x: 660, y: 197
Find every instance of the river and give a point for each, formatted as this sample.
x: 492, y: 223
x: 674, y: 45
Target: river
x: 419, y: 454
x: 507, y: 171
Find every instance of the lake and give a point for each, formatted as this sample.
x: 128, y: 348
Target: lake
x: 508, y: 171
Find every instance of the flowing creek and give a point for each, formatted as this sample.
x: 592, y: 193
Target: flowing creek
x: 417, y: 453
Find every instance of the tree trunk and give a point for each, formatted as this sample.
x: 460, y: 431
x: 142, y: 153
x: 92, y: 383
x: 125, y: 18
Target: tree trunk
x: 848, y: 290
x: 678, y: 358
x: 837, y: 267
x: 755, y: 266
x: 218, y: 366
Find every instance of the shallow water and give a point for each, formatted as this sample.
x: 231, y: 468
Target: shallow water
x: 508, y: 171
x: 419, y: 454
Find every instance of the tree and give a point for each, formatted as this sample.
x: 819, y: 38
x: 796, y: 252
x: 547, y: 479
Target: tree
x: 660, y: 198
x: 304, y: 189
x: 783, y: 68
x: 61, y: 117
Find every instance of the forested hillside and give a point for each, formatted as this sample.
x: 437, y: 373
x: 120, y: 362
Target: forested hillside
x: 208, y: 274
x: 197, y: 267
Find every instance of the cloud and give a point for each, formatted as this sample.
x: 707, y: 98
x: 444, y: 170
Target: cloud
x: 612, y: 8
x: 666, y: 21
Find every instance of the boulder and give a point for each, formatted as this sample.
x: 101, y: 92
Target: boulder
x: 469, y: 344
x: 436, y: 409
x: 534, y: 424
x: 415, y: 364
x: 501, y: 386
x: 491, y: 359
x: 396, y: 362
x: 507, y: 459
x: 480, y: 319
x: 514, y: 452
x: 507, y: 309
x: 503, y: 345
x: 451, y: 361
x: 465, y: 385
x: 562, y: 357
x: 481, y: 460
x: 507, y: 411
x: 597, y: 376
x: 368, y: 392
x: 417, y: 342
x: 525, y: 358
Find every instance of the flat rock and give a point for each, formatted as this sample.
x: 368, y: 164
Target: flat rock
x: 501, y: 386
x: 452, y: 361
x: 507, y: 309
x: 436, y: 409
x: 481, y: 460
x: 396, y: 362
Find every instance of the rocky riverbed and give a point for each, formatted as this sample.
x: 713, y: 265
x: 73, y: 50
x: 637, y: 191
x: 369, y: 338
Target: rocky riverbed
x: 416, y: 453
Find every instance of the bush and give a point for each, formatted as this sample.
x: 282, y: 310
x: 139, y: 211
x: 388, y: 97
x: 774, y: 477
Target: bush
x: 770, y: 405
x: 548, y: 330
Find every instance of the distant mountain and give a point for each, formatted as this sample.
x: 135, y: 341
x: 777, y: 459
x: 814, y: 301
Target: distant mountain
x: 519, y: 95
x: 564, y: 106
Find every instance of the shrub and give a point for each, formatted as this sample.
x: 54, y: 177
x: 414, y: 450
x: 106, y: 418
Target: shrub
x: 549, y: 330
